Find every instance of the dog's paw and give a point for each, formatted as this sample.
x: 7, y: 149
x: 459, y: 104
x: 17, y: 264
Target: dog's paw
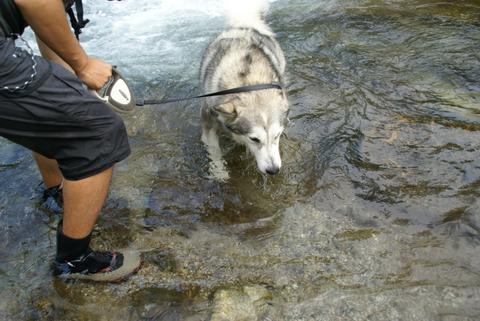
x: 218, y: 171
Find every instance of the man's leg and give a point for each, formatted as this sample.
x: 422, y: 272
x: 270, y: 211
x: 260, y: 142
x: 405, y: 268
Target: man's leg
x: 83, y: 201
x: 51, y: 174
x: 83, y: 138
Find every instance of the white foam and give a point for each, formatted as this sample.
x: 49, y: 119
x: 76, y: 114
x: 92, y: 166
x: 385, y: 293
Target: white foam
x: 247, y: 13
x: 160, y: 39
x: 153, y: 40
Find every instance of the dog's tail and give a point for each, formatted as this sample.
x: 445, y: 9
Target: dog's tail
x: 247, y: 14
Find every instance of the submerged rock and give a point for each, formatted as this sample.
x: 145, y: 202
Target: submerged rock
x: 246, y: 304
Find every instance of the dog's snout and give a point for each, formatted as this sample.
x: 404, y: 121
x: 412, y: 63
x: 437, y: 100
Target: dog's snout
x: 273, y: 170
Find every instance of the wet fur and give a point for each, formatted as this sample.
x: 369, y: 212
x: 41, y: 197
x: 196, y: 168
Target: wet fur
x: 245, y: 54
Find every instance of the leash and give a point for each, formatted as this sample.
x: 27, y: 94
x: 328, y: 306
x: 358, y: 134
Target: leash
x: 237, y: 90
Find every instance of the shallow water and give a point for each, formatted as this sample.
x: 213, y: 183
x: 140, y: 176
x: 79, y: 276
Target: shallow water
x: 374, y: 216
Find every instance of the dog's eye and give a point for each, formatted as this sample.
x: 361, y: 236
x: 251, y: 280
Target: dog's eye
x: 255, y: 140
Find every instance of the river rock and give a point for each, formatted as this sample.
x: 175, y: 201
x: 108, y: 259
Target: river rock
x: 246, y: 304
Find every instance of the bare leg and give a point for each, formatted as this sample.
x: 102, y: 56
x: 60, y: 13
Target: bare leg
x: 49, y: 170
x: 83, y: 201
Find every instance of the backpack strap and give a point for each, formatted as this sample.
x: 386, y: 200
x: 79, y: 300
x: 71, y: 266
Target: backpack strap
x: 77, y: 22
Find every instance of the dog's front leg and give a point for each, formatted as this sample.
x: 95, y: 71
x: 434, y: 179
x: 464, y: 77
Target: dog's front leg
x: 217, y: 168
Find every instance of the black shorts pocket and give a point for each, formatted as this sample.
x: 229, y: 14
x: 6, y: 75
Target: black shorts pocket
x: 68, y: 78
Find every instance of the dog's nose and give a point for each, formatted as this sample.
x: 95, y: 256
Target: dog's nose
x: 273, y: 170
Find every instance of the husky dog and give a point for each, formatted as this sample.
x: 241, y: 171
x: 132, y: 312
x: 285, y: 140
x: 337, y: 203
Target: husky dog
x: 245, y: 54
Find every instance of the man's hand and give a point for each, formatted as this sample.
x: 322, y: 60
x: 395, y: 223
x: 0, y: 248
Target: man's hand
x: 95, y: 73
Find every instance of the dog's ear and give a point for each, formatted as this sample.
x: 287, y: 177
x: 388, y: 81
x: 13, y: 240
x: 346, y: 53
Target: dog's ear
x: 227, y: 110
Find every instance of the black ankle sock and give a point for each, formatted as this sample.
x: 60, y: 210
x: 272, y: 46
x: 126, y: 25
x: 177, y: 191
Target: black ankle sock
x: 69, y: 249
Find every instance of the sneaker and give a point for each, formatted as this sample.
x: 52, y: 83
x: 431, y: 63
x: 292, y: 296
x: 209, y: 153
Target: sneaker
x: 52, y: 199
x: 99, y: 266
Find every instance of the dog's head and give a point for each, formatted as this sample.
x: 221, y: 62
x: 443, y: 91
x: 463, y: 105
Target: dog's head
x: 257, y: 120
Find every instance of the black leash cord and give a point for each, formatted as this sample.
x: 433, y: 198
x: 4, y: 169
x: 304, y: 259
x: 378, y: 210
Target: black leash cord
x: 236, y: 90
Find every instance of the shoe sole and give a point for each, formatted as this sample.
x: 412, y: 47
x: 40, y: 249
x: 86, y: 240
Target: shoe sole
x: 131, y: 264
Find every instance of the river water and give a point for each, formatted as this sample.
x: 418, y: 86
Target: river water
x: 374, y: 216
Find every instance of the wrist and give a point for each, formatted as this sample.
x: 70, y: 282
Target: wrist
x: 79, y: 63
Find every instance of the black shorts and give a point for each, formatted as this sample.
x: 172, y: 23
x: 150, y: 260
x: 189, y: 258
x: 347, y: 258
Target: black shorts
x: 60, y: 119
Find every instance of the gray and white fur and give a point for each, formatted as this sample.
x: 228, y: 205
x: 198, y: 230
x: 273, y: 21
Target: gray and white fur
x: 247, y: 53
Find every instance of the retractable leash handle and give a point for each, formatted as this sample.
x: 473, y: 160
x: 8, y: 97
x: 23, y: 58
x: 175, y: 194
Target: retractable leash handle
x: 117, y: 94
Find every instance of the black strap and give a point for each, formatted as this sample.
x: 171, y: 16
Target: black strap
x: 236, y: 90
x: 77, y: 22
